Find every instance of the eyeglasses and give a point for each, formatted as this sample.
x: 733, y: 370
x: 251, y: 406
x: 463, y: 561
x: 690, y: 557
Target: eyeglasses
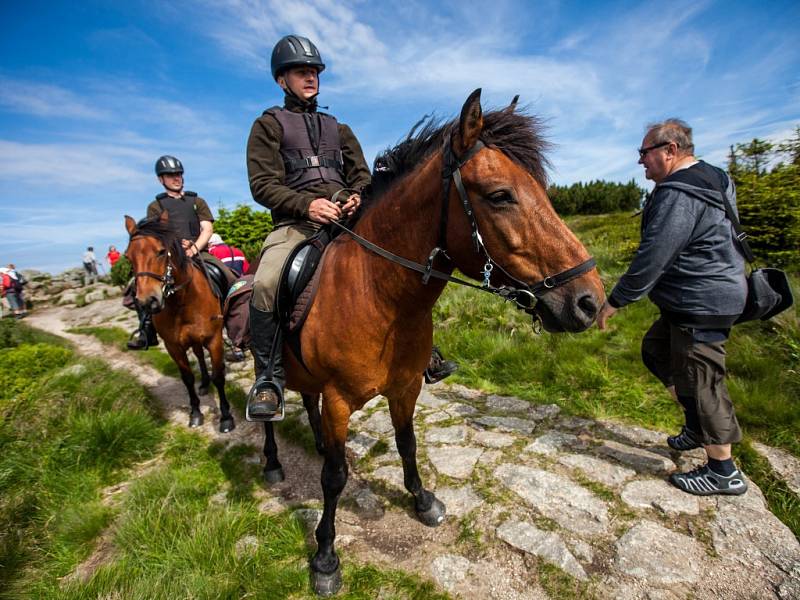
x: 643, y: 151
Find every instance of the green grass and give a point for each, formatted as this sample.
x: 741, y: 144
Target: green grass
x: 599, y: 374
x: 187, y: 524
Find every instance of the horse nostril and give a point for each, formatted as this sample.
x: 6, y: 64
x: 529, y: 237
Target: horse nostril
x: 588, y: 305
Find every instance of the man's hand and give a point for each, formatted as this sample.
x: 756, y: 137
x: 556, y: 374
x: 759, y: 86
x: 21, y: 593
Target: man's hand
x: 606, y: 312
x: 322, y: 210
x: 352, y: 204
x: 189, y: 247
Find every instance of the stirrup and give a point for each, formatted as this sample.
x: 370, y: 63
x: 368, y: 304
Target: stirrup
x: 278, y: 415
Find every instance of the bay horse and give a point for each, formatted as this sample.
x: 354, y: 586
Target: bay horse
x: 186, y: 313
x: 467, y: 195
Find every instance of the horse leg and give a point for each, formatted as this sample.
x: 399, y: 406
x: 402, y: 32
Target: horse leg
x: 273, y: 471
x: 178, y: 354
x: 325, y: 572
x: 216, y: 350
x: 311, y: 402
x: 429, y: 509
x: 205, y: 380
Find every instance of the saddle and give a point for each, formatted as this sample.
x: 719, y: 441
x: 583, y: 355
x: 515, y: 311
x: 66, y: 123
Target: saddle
x: 219, y: 280
x: 298, y: 286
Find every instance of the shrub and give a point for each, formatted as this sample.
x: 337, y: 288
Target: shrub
x: 595, y: 197
x: 121, y: 272
x: 244, y: 228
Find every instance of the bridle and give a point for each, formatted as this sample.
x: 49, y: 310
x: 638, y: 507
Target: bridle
x: 168, y: 287
x: 525, y: 296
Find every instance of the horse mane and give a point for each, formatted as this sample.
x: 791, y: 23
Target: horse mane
x: 517, y: 134
x: 166, y: 234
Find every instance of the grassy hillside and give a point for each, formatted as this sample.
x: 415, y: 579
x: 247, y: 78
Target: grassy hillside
x: 91, y: 475
x: 599, y: 374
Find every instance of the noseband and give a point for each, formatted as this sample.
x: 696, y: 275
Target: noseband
x: 525, y: 296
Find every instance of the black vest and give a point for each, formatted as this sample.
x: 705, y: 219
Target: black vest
x: 310, y: 148
x: 182, y: 215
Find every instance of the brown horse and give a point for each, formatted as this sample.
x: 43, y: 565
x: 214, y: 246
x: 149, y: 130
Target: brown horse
x: 186, y: 313
x: 370, y: 329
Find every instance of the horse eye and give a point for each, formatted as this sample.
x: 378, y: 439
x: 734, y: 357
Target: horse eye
x: 501, y: 197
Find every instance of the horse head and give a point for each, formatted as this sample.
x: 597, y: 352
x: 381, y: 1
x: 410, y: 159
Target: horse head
x: 501, y: 227
x: 154, y: 253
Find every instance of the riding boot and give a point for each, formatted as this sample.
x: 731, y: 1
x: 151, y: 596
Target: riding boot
x: 265, y: 400
x: 147, y: 335
x: 438, y: 367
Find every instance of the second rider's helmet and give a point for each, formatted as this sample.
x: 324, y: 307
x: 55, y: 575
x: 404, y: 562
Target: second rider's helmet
x: 168, y: 164
x: 294, y: 51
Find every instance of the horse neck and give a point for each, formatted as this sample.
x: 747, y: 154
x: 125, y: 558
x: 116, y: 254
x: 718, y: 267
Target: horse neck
x: 406, y: 222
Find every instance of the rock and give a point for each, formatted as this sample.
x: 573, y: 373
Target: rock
x: 94, y: 296
x: 378, y: 422
x: 246, y: 545
x: 654, y: 493
x: 547, y: 545
x: 660, y: 556
x: 271, y: 506
x: 309, y: 517
x: 635, y: 435
x: 539, y: 412
x: 437, y: 417
x: 459, y: 501
x: 454, y: 461
x: 556, y: 497
x: 428, y: 400
x: 783, y: 463
x: 575, y: 423
x: 550, y: 443
x: 369, y: 505
x: 582, y: 550
x: 507, y: 424
x: 464, y: 392
x: 391, y: 475
x: 457, y: 409
x: 490, y: 457
x: 450, y: 569
x: 597, y: 469
x: 639, y: 459
x: 492, y: 439
x: 374, y: 403
x: 506, y: 404
x: 360, y: 444
x: 68, y: 297
x: 447, y: 435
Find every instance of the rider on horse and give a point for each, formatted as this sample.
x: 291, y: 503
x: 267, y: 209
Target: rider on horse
x: 297, y: 159
x: 191, y: 218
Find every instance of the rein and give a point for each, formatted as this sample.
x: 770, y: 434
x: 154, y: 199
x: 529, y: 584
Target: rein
x: 525, y: 296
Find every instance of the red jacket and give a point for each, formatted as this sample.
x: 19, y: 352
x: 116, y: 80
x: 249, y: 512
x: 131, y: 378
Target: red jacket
x: 113, y: 257
x: 233, y: 258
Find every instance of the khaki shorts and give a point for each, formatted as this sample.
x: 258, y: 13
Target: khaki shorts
x: 276, y: 249
x: 693, y: 360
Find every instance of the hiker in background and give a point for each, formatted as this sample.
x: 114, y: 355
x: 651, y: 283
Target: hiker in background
x: 691, y: 266
x: 13, y: 283
x: 231, y: 257
x: 112, y: 257
x: 89, y: 266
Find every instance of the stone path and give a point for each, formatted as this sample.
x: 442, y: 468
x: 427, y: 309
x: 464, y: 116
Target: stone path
x: 524, y: 485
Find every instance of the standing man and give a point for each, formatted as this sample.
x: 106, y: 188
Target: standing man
x: 691, y: 267
x: 191, y: 218
x: 89, y: 266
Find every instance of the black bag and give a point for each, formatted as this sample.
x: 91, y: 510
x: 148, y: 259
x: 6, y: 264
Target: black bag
x: 768, y: 290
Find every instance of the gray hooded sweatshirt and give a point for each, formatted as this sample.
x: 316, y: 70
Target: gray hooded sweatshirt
x: 689, y: 262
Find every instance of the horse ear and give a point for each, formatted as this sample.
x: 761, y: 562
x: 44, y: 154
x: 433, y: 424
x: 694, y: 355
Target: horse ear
x: 130, y: 225
x: 470, y: 124
x: 510, y: 108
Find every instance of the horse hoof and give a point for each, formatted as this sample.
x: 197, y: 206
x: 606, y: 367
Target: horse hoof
x: 434, y: 516
x: 196, y: 420
x: 326, y: 584
x: 274, y: 475
x: 227, y: 425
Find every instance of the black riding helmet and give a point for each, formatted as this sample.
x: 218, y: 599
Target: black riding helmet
x: 168, y: 164
x: 294, y: 51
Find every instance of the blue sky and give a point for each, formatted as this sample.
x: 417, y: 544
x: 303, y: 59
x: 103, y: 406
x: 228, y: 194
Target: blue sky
x: 92, y: 92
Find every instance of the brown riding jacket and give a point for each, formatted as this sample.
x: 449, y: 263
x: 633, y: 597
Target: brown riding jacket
x: 267, y: 174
